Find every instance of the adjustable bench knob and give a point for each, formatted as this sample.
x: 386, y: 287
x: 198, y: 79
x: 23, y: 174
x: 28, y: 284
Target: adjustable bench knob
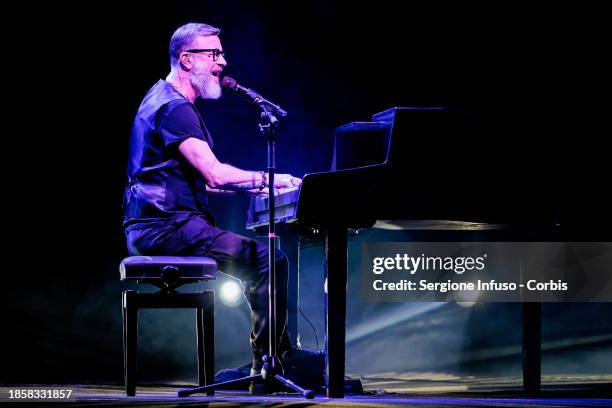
x: 170, y: 274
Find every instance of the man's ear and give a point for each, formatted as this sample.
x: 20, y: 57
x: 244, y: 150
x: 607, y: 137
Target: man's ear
x: 185, y: 60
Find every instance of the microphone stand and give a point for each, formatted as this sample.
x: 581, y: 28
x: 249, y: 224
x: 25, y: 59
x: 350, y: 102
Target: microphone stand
x: 271, y: 370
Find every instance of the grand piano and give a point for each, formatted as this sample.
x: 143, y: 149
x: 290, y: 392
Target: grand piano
x: 411, y: 167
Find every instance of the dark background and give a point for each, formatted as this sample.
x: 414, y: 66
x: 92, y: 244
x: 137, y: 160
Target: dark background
x: 79, y: 73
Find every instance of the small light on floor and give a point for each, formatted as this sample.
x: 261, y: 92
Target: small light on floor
x: 231, y: 293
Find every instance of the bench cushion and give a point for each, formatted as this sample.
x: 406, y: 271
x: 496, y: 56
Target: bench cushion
x: 156, y: 267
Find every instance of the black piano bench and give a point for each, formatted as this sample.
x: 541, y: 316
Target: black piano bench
x: 168, y: 273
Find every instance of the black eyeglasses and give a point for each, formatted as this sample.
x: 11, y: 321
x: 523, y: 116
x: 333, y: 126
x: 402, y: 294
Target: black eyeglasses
x: 215, y: 52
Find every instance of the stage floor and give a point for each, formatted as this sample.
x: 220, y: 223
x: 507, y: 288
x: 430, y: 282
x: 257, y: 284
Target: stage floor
x: 384, y: 390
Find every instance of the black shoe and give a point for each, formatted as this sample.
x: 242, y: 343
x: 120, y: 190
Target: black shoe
x: 259, y: 387
x: 230, y: 374
x: 305, y: 367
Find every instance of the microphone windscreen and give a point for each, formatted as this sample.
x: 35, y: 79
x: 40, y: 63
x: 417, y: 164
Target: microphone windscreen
x: 228, y: 82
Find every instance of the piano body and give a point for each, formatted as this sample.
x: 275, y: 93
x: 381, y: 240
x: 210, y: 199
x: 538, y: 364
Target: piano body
x: 405, y: 166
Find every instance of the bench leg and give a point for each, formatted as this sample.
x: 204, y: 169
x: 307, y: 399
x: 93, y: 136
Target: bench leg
x: 202, y: 380
x: 130, y: 340
x: 206, y: 341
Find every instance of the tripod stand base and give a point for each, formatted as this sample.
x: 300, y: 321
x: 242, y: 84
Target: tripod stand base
x: 209, y: 389
x: 290, y: 384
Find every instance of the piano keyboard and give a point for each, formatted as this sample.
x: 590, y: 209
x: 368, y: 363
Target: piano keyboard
x: 286, y: 205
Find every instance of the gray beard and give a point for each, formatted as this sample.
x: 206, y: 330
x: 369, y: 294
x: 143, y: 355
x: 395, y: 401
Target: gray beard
x: 206, y: 86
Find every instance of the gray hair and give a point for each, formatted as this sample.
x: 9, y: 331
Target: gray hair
x: 185, y: 35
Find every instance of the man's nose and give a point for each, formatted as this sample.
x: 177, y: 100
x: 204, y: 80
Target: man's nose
x: 221, y: 61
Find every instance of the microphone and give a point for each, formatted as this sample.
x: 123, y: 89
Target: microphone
x: 252, y: 96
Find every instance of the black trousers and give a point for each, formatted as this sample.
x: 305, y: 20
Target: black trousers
x: 236, y: 255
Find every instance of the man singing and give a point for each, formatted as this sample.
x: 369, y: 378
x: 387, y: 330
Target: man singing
x: 172, y: 169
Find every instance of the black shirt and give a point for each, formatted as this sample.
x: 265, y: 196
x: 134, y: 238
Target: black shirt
x: 162, y: 185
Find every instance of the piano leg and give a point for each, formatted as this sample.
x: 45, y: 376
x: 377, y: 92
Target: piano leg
x: 290, y: 245
x: 336, y: 247
x: 532, y: 328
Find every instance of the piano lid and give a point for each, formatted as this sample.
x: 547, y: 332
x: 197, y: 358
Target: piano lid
x: 359, y: 144
x: 389, y: 114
